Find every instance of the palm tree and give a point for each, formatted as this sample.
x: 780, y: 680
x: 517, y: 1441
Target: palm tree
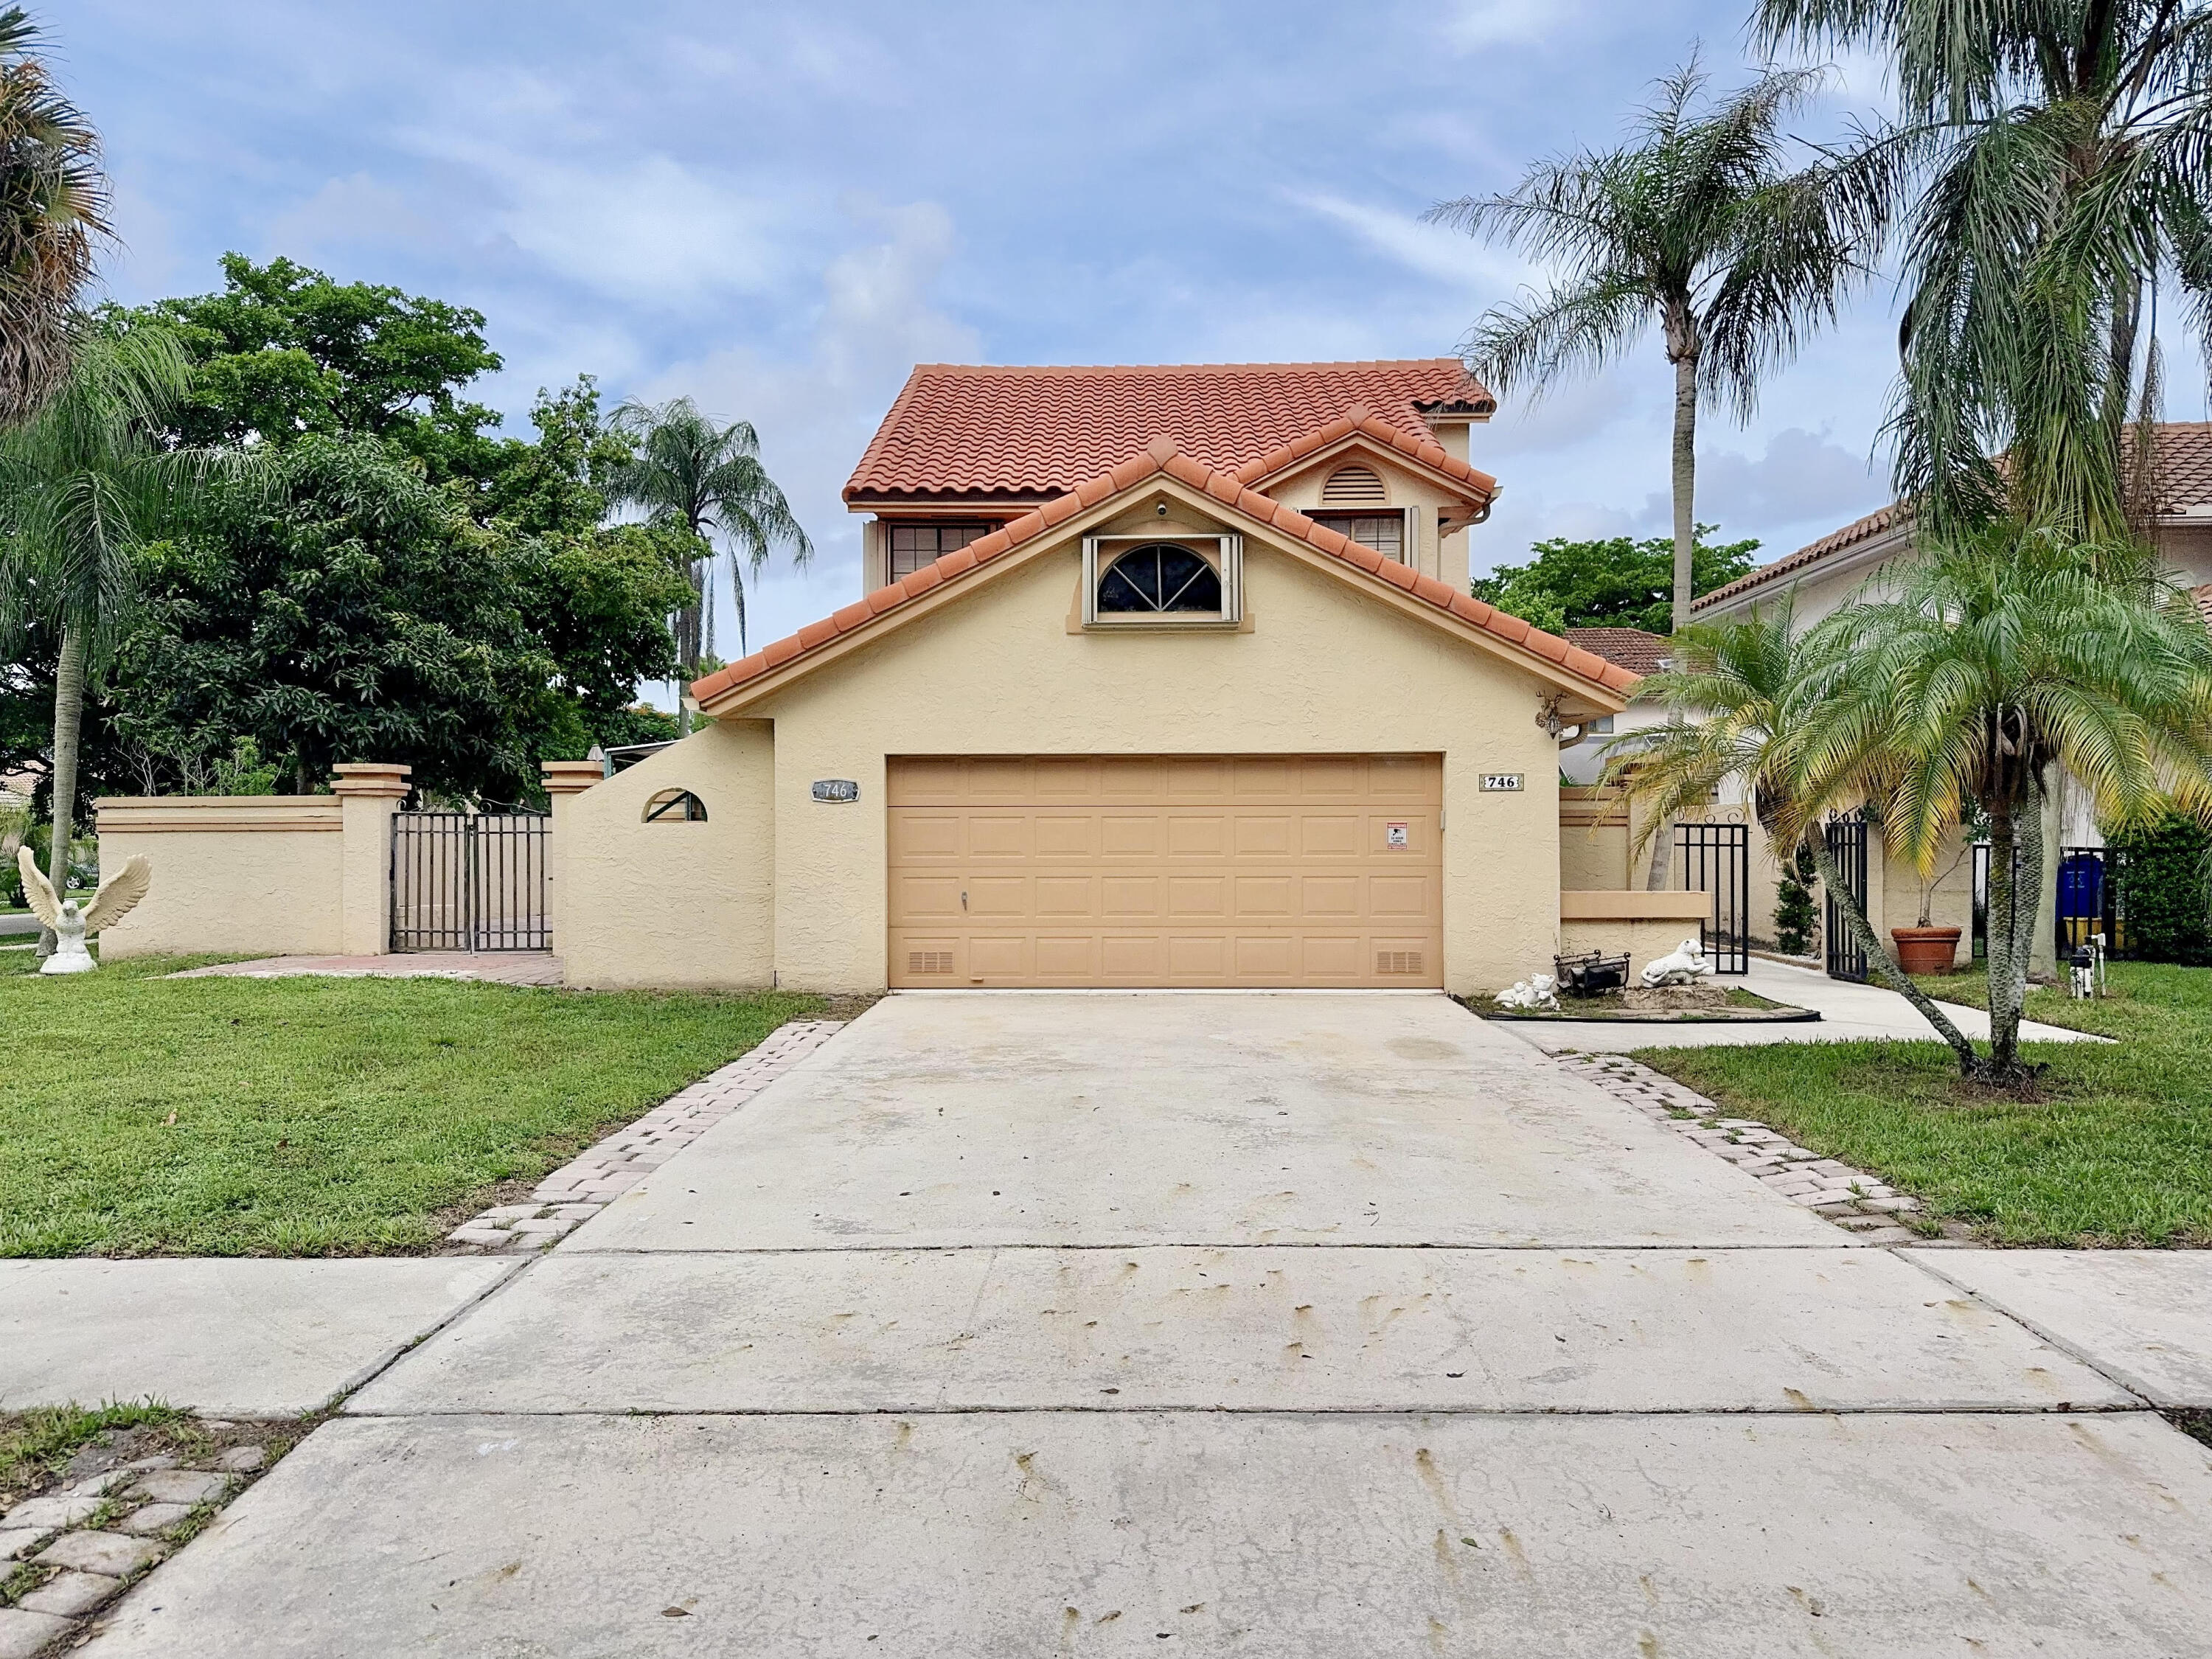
x: 1695, y: 225
x: 53, y: 212
x: 1732, y: 688
x: 687, y: 470
x: 2050, y: 163
x: 2004, y: 654
x: 83, y: 487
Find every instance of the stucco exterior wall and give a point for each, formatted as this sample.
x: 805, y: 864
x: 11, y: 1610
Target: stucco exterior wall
x: 249, y: 875
x: 669, y: 902
x: 1321, y: 669
x: 1445, y: 559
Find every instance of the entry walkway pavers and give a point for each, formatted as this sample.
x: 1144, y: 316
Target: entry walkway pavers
x: 1263, y: 1325
x: 493, y: 967
x: 234, y: 1337
x: 2143, y: 1317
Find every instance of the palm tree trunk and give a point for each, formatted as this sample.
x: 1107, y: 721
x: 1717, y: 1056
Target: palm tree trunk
x: 1686, y: 482
x: 68, y: 723
x: 2014, y: 923
x: 1878, y: 958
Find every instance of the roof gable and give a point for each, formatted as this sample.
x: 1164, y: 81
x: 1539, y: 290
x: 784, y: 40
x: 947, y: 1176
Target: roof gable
x: 1545, y: 654
x: 1026, y: 433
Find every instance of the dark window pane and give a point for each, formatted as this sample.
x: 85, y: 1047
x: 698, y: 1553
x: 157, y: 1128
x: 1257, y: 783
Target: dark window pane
x: 1118, y: 593
x: 1160, y: 578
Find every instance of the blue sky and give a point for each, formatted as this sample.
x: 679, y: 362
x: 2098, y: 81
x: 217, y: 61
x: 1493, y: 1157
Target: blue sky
x: 780, y: 207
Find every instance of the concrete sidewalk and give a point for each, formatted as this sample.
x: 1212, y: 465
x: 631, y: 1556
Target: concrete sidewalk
x: 493, y: 967
x: 230, y: 1337
x: 1011, y: 1325
x: 1848, y: 1013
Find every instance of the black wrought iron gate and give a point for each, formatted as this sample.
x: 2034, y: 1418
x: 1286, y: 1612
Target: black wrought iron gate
x: 1716, y: 859
x: 1847, y: 845
x: 469, y: 881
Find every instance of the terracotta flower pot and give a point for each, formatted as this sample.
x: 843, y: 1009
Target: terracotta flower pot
x: 1925, y: 950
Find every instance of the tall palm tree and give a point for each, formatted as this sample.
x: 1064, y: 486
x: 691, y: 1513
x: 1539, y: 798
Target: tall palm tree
x: 2006, y: 653
x: 83, y: 487
x: 53, y: 213
x: 688, y: 469
x: 1732, y: 688
x: 2050, y: 163
x: 1696, y: 225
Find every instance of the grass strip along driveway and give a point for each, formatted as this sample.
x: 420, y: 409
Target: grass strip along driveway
x: 144, y: 1116
x: 2115, y: 1148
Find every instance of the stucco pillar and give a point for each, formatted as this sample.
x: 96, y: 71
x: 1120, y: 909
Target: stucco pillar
x: 368, y: 793
x: 565, y: 780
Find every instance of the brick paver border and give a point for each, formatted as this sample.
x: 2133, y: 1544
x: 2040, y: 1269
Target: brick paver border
x: 580, y: 1190
x: 1856, y: 1202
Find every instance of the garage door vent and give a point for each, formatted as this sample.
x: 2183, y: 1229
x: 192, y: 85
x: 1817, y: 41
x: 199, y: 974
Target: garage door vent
x: 929, y: 962
x: 1397, y: 961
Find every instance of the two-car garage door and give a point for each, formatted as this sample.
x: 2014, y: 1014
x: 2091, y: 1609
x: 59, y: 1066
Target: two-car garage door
x: 1321, y: 870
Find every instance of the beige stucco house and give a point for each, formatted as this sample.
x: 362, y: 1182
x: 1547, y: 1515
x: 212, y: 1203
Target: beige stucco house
x: 1159, y: 676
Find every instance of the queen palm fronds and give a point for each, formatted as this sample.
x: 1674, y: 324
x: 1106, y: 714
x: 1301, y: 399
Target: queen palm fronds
x: 1697, y: 225
x: 689, y: 470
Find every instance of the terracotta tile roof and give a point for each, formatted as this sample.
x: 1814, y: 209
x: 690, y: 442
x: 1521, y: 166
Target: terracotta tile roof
x: 2183, y: 457
x: 1415, y: 447
x: 1162, y: 456
x: 1850, y: 535
x: 1014, y: 432
x: 1632, y: 648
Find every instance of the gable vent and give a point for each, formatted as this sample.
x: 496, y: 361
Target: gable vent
x: 929, y: 962
x: 1354, y: 486
x: 1397, y: 961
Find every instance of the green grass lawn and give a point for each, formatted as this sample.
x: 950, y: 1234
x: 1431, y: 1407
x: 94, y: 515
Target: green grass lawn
x: 144, y: 1116
x: 2117, y: 1149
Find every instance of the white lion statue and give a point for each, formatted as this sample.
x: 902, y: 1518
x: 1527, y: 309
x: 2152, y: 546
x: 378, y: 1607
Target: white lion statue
x: 1687, y: 966
x: 1538, y: 993
x: 117, y: 895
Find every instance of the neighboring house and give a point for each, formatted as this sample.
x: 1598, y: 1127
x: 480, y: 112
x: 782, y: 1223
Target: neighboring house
x: 1638, y: 652
x: 1158, y: 677
x: 1820, y: 578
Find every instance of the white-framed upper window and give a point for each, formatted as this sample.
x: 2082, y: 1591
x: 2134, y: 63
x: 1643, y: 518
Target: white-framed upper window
x: 1162, y: 581
x: 1386, y: 532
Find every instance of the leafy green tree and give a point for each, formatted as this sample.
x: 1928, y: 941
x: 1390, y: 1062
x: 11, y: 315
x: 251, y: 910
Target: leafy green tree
x: 2049, y: 164
x: 1696, y: 225
x: 1614, y: 583
x: 83, y: 487
x: 1734, y: 692
x: 361, y: 613
x: 705, y: 480
x: 1795, y: 916
x: 2003, y: 654
x: 53, y: 214
x: 284, y: 351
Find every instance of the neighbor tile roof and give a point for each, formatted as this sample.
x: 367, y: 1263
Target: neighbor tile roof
x: 1849, y: 535
x: 1632, y: 648
x: 1162, y: 456
x: 2184, y: 460
x: 966, y: 429
x: 2184, y: 464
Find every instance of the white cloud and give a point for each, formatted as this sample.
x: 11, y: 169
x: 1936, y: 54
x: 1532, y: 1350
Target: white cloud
x: 1429, y: 250
x: 1803, y: 477
x: 1474, y: 24
x: 877, y: 318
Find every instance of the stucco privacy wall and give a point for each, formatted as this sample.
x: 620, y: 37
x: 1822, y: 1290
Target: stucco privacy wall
x: 1322, y: 669
x: 670, y: 902
x: 257, y: 875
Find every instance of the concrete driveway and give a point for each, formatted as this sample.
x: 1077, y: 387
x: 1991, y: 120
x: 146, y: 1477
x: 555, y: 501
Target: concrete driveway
x: 1300, y: 1324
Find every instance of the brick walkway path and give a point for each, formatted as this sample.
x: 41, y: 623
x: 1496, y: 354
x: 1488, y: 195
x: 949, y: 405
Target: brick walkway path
x: 577, y: 1191
x: 1858, y: 1202
x: 493, y: 967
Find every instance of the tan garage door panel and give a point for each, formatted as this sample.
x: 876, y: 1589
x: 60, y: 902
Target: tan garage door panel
x: 1319, y: 870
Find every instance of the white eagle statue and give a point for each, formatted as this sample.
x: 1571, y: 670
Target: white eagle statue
x: 115, y: 899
